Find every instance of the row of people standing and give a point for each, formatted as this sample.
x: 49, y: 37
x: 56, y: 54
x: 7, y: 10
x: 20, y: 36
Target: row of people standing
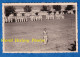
x: 33, y: 17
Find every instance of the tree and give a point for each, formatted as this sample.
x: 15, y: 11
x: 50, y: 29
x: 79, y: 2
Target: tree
x: 49, y: 12
x: 69, y: 7
x: 15, y: 14
x: 57, y: 7
x: 74, y: 11
x: 44, y: 8
x: 9, y: 10
x: 27, y: 9
x: 36, y: 13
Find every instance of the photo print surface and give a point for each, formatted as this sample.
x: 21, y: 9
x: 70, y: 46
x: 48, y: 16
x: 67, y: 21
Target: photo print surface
x: 39, y: 27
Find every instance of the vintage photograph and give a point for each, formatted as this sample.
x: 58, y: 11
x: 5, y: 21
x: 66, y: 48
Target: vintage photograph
x: 39, y: 27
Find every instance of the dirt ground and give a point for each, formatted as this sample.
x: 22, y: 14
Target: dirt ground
x: 61, y: 33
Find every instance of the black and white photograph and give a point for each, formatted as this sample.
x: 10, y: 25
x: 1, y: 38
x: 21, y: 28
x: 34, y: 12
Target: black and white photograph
x: 39, y: 27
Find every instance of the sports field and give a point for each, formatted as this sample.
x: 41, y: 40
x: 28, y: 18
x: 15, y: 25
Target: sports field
x: 61, y: 33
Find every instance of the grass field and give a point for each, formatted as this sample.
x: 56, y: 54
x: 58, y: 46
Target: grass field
x: 61, y: 33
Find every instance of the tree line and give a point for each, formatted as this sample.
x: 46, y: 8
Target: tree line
x: 11, y: 9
